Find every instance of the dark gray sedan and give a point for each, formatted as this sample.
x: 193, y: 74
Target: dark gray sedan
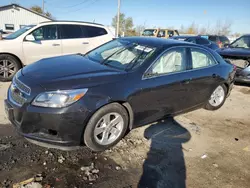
x: 197, y: 40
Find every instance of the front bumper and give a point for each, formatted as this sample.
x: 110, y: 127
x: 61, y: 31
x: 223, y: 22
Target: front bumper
x: 61, y: 127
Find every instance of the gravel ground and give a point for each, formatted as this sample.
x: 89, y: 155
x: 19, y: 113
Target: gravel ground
x: 198, y: 149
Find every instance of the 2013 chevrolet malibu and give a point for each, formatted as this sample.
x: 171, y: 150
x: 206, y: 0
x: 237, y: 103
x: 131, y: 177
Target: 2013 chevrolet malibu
x: 94, y: 99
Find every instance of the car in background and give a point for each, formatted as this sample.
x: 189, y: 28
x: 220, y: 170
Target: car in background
x: 48, y: 39
x: 181, y: 37
x: 197, y: 40
x: 94, y: 99
x: 160, y: 33
x: 3, y: 33
x: 238, y: 53
x: 221, y: 40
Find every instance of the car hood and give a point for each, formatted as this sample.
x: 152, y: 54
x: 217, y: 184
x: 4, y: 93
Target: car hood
x: 238, y: 52
x: 70, y: 72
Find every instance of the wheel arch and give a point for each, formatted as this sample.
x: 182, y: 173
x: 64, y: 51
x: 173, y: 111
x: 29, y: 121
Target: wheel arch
x: 127, y: 107
x: 19, y: 60
x: 124, y: 104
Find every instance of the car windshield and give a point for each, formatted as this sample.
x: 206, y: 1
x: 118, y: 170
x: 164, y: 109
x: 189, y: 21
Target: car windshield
x: 121, y: 54
x: 19, y: 32
x: 242, y: 42
x: 148, y: 32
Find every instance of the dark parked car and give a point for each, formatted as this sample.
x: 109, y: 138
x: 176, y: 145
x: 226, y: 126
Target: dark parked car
x: 238, y: 53
x: 220, y: 40
x: 94, y: 99
x: 198, y: 40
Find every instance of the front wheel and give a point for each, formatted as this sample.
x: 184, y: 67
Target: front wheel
x: 106, y: 127
x: 217, y: 98
x: 9, y: 65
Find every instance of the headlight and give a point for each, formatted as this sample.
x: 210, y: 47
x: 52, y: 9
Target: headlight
x: 59, y: 99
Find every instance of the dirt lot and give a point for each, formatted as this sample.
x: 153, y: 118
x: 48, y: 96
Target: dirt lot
x: 199, y: 149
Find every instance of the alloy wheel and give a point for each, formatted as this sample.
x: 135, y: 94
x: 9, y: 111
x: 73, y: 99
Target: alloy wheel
x: 108, y: 128
x: 7, y: 68
x: 217, y: 96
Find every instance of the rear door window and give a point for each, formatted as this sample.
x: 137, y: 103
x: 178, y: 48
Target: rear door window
x: 71, y: 31
x: 92, y: 31
x: 201, y: 58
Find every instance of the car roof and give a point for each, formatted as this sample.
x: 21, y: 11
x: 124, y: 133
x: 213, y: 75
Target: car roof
x: 197, y: 37
x: 246, y: 35
x: 213, y: 35
x: 182, y: 36
x: 156, y: 42
x: 68, y: 21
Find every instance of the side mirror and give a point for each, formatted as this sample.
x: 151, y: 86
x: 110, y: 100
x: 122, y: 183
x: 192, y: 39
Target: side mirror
x: 226, y: 45
x: 30, y: 38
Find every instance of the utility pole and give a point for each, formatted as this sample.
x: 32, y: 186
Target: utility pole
x: 118, y: 19
x: 43, y: 6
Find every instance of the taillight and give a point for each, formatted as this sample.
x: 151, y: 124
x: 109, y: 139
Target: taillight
x: 219, y: 44
x: 235, y: 67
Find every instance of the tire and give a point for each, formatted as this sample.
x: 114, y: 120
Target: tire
x: 95, y: 141
x: 211, y: 107
x: 9, y: 65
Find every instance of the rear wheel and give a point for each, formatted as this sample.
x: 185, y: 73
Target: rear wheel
x: 217, y: 98
x: 9, y: 65
x: 106, y: 127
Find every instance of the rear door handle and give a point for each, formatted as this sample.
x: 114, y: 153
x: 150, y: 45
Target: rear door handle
x: 85, y: 43
x: 55, y: 44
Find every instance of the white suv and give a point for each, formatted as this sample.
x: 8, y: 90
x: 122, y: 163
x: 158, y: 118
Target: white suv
x: 48, y: 39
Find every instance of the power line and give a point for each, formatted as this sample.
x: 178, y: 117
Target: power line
x: 77, y: 4
x: 83, y: 7
x: 71, y: 6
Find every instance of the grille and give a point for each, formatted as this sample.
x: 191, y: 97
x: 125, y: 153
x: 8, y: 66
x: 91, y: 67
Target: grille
x: 21, y: 86
x: 17, y: 98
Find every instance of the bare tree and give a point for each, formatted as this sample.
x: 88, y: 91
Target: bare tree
x: 126, y: 24
x: 139, y: 29
x: 192, y: 29
x: 222, y: 27
x: 39, y: 10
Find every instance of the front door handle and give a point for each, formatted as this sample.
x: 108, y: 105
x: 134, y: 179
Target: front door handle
x: 55, y: 44
x: 85, y: 43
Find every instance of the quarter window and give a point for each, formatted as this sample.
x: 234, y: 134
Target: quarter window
x: 201, y: 59
x: 48, y: 32
x: 71, y: 31
x: 170, y: 62
x: 92, y: 31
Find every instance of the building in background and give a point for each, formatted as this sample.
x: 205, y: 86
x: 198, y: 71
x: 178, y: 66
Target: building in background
x: 14, y: 17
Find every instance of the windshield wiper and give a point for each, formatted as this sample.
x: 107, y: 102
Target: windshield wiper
x: 135, y: 60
